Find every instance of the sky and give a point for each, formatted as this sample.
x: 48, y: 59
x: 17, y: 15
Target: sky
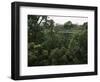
x: 74, y: 20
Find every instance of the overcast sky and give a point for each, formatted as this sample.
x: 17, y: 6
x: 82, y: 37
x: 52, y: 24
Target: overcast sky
x: 74, y: 20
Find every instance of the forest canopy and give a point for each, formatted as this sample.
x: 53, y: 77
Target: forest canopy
x: 51, y: 43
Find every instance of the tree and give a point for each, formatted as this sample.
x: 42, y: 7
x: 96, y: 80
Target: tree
x: 68, y: 25
x: 34, y: 28
x: 78, y: 47
x: 85, y: 25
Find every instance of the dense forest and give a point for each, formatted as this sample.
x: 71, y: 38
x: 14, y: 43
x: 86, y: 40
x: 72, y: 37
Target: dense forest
x: 50, y: 43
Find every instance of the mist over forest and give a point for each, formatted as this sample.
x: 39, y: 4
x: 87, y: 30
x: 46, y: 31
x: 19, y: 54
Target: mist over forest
x: 51, y: 43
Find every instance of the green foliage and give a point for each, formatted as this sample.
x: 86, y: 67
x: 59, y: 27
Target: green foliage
x: 78, y: 47
x: 50, y: 44
x: 68, y: 25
